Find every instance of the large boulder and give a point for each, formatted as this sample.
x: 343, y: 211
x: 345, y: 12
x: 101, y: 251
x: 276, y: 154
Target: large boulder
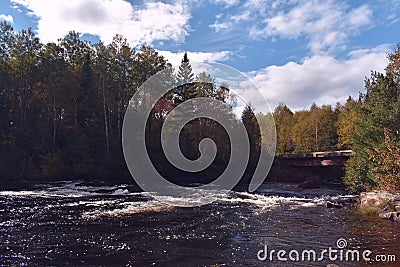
x: 377, y: 198
x: 394, y: 216
x: 385, y: 204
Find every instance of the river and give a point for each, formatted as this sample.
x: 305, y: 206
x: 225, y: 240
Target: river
x: 70, y: 223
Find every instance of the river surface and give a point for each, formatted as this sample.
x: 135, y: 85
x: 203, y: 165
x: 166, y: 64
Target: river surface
x: 69, y: 223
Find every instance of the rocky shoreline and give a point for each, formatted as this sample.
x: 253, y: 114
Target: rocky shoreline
x: 383, y: 203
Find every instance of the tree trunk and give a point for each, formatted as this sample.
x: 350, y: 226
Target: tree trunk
x: 54, y: 118
x: 105, y: 118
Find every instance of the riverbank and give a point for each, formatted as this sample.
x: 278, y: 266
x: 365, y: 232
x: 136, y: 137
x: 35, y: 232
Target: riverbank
x: 382, y: 203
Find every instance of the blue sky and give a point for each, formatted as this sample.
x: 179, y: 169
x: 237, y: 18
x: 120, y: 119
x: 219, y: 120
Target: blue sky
x: 296, y: 51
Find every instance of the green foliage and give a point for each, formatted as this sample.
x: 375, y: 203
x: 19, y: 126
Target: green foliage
x: 186, y: 89
x: 62, y: 104
x: 314, y: 130
x: 393, y: 68
x: 376, y: 110
x: 305, y: 130
x: 387, y: 163
x: 250, y: 122
x: 185, y: 72
x: 253, y: 130
x: 356, y: 178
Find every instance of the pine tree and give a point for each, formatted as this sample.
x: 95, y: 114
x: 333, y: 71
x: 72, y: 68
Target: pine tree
x: 186, y: 88
x: 185, y: 74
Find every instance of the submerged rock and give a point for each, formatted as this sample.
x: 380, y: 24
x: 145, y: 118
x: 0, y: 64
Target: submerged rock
x: 331, y: 205
x: 311, y: 183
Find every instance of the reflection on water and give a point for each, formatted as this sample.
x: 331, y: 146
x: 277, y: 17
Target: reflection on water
x: 69, y: 223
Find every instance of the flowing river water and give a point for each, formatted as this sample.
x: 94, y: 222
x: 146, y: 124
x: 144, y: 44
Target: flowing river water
x: 69, y: 223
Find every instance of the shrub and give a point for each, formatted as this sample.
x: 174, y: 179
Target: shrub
x: 387, y: 160
x: 357, y: 178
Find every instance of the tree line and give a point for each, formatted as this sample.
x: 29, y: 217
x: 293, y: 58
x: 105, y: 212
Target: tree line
x: 315, y: 129
x: 62, y: 103
x: 369, y: 125
x: 62, y: 106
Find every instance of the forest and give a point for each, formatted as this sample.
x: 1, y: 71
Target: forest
x: 62, y: 107
x: 63, y: 104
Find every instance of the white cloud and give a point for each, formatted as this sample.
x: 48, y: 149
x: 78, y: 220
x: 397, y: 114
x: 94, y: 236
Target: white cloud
x: 219, y: 26
x: 8, y: 18
x: 176, y: 58
x: 325, y: 24
x: 227, y: 3
x: 374, y: 50
x: 360, y: 16
x: 320, y: 78
x: 226, y: 24
x: 104, y: 18
x: 243, y: 16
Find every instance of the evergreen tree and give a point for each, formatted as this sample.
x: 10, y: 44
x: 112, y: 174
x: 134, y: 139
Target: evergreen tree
x: 250, y: 122
x: 185, y: 73
x: 184, y: 78
x: 378, y: 109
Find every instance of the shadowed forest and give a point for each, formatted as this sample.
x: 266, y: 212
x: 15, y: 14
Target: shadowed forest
x: 62, y: 107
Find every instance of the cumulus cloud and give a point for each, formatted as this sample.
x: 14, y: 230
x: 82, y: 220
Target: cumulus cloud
x: 8, y: 18
x: 325, y: 24
x: 104, y: 18
x: 321, y: 79
x: 176, y: 58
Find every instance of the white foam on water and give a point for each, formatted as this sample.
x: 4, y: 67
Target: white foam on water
x: 262, y: 200
x: 130, y: 208
x: 70, y: 190
x: 259, y: 201
x: 100, y: 207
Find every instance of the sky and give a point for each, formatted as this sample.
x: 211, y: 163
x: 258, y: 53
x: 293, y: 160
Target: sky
x: 296, y: 51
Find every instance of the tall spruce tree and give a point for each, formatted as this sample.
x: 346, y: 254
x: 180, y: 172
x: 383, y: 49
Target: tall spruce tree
x: 186, y: 88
